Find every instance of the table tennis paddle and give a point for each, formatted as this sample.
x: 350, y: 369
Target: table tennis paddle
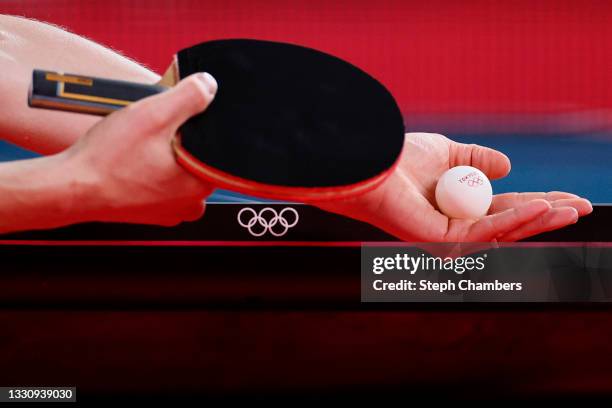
x: 288, y: 122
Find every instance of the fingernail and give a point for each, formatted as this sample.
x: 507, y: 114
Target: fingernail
x: 209, y: 81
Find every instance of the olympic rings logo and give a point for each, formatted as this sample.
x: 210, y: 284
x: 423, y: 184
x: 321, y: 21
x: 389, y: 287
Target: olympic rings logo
x: 268, y: 220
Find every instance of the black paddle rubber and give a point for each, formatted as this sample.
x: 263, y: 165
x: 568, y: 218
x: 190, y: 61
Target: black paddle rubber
x: 290, y: 116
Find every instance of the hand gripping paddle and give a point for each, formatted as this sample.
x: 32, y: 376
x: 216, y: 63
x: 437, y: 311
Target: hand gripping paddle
x: 287, y: 122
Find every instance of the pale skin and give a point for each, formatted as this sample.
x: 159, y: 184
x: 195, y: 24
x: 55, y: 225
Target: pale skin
x: 27, y: 44
x: 123, y: 169
x: 404, y: 205
x: 137, y: 183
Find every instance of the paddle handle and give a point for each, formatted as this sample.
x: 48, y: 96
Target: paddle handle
x: 84, y: 94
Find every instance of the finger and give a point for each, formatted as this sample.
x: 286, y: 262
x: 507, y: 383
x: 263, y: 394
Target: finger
x: 194, y: 212
x: 189, y: 97
x: 502, y: 202
x: 492, y: 226
x: 581, y: 205
x: 491, y: 162
x: 194, y: 187
x: 175, y: 215
x: 554, y: 219
x: 169, y: 221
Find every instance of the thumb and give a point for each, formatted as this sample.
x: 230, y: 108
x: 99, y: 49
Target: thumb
x: 491, y: 162
x: 189, y: 97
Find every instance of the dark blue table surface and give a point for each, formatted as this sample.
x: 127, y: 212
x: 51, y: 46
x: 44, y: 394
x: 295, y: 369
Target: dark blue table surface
x: 581, y: 164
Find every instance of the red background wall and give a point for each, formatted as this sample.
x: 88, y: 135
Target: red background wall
x: 437, y: 56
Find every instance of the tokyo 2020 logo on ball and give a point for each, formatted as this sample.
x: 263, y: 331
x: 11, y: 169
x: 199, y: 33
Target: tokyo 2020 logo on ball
x: 472, y: 179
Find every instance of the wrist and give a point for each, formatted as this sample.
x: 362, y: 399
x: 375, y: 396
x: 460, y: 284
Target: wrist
x: 45, y: 192
x: 81, y: 185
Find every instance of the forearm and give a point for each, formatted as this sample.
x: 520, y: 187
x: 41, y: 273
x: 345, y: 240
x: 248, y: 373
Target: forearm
x: 42, y: 193
x: 27, y: 44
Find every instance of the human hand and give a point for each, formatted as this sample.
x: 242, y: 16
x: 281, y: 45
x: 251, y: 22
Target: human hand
x: 404, y: 205
x: 125, y: 168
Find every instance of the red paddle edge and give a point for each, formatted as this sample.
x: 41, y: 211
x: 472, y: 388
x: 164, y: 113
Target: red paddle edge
x: 300, y: 194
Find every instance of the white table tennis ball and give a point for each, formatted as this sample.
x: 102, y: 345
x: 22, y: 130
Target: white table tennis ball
x: 464, y: 192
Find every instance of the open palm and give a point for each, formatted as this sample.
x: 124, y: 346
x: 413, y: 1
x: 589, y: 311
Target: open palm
x: 404, y: 204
